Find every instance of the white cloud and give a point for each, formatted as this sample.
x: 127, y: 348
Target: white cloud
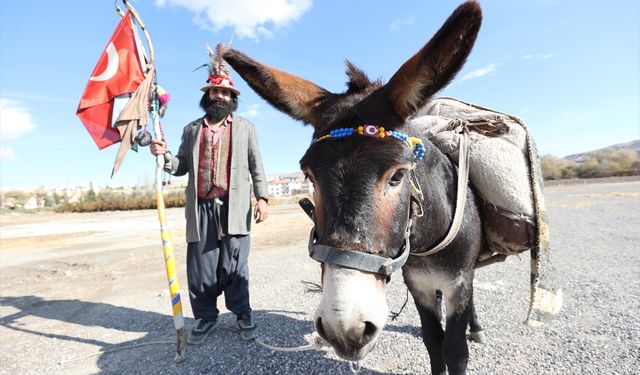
x: 251, y: 111
x: 400, y: 22
x: 248, y: 18
x: 15, y: 121
x: 479, y: 72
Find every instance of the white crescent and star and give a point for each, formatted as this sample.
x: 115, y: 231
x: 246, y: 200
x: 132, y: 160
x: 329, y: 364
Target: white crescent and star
x: 113, y: 61
x: 371, y: 129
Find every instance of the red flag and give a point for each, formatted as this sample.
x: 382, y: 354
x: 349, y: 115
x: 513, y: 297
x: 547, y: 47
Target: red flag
x: 118, y: 72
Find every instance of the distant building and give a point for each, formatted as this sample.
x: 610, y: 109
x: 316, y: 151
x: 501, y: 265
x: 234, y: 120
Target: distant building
x: 32, y: 203
x: 301, y: 187
x: 279, y: 188
x: 288, y: 184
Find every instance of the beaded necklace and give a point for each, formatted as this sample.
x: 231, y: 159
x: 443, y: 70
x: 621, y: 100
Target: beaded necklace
x: 375, y: 131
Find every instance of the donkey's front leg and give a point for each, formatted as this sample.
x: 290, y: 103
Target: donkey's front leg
x: 454, y: 346
x: 476, y: 330
x: 432, y: 334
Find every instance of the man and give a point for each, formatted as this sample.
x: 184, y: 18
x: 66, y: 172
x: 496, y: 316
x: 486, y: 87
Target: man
x: 219, y: 152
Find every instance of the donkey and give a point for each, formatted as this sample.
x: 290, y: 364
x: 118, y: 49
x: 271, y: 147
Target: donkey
x: 367, y: 164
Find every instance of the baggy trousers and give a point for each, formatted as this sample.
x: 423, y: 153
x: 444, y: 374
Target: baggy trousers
x: 217, y: 265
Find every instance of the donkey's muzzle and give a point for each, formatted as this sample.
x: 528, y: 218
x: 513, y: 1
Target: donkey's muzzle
x: 356, y: 342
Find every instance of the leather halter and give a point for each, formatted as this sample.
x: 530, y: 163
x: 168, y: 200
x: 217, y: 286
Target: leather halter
x: 357, y: 259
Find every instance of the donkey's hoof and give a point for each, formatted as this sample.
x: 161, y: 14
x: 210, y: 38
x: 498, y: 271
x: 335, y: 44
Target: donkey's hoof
x: 478, y: 337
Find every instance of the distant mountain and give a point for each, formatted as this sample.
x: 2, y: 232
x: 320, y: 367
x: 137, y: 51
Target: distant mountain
x: 633, y: 145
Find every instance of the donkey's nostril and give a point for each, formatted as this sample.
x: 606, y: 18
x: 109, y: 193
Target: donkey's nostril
x: 370, y: 331
x: 320, y: 328
x: 363, y: 333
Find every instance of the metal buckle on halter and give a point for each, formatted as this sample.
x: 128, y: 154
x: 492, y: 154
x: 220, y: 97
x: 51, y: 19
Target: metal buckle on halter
x: 415, y: 185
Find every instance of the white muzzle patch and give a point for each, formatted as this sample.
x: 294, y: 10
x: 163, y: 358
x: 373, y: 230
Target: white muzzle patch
x: 353, y: 310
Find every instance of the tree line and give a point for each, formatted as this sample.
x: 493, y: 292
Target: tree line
x: 604, y: 163
x: 108, y: 201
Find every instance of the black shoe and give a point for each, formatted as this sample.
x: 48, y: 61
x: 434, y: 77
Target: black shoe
x: 201, y: 329
x: 247, y: 328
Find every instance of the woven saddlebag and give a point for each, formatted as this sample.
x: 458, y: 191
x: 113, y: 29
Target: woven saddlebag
x: 504, y: 169
x: 500, y: 168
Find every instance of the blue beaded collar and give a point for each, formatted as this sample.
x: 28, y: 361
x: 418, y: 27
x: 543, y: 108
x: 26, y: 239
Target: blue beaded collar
x: 375, y: 131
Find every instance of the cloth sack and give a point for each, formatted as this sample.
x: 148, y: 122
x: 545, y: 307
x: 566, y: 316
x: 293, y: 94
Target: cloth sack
x: 500, y: 168
x: 504, y: 169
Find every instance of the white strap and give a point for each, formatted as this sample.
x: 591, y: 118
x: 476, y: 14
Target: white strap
x: 463, y: 179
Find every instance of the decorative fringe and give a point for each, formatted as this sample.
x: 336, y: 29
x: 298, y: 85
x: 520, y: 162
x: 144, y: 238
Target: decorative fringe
x: 546, y: 293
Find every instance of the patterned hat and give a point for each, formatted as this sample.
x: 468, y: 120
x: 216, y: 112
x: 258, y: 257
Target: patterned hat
x: 218, y: 71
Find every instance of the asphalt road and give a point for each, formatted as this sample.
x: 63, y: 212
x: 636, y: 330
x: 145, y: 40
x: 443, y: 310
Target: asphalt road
x: 78, y: 292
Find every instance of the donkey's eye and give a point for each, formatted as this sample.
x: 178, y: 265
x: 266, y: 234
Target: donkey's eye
x: 397, y: 177
x: 307, y: 178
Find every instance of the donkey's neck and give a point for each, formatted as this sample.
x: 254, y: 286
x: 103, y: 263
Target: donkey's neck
x: 437, y: 175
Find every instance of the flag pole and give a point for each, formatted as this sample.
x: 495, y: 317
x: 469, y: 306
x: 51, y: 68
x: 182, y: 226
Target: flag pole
x: 165, y: 234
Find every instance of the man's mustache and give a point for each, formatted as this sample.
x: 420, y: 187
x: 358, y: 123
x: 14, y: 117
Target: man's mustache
x: 219, y: 104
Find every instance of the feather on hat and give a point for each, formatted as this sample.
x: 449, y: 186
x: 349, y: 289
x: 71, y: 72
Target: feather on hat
x: 219, y: 76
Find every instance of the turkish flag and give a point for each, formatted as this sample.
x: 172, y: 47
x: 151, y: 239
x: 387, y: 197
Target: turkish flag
x: 118, y: 72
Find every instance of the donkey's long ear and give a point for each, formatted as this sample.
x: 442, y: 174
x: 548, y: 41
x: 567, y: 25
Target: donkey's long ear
x: 435, y: 65
x: 291, y: 94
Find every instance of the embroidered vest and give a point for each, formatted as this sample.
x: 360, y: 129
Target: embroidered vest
x: 215, y: 159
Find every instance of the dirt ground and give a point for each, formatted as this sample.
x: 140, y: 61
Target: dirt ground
x: 72, y: 285
x: 75, y: 262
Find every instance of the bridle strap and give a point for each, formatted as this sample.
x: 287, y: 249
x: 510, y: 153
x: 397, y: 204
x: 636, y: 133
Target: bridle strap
x: 356, y: 259
x: 461, y: 199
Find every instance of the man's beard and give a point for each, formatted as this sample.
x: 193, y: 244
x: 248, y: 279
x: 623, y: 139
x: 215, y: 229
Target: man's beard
x: 218, y: 110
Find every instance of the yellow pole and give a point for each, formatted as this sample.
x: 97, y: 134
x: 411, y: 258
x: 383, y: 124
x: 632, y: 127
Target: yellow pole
x: 172, y: 277
x: 167, y: 242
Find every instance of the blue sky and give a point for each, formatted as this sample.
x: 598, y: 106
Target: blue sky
x: 570, y: 70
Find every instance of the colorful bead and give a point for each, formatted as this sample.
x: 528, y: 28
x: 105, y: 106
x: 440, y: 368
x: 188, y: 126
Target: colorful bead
x: 415, y: 144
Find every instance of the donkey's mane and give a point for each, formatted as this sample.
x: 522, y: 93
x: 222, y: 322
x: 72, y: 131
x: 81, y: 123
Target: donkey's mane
x: 359, y: 82
x: 339, y: 109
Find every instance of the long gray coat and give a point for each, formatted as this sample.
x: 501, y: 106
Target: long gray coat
x: 245, y: 163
